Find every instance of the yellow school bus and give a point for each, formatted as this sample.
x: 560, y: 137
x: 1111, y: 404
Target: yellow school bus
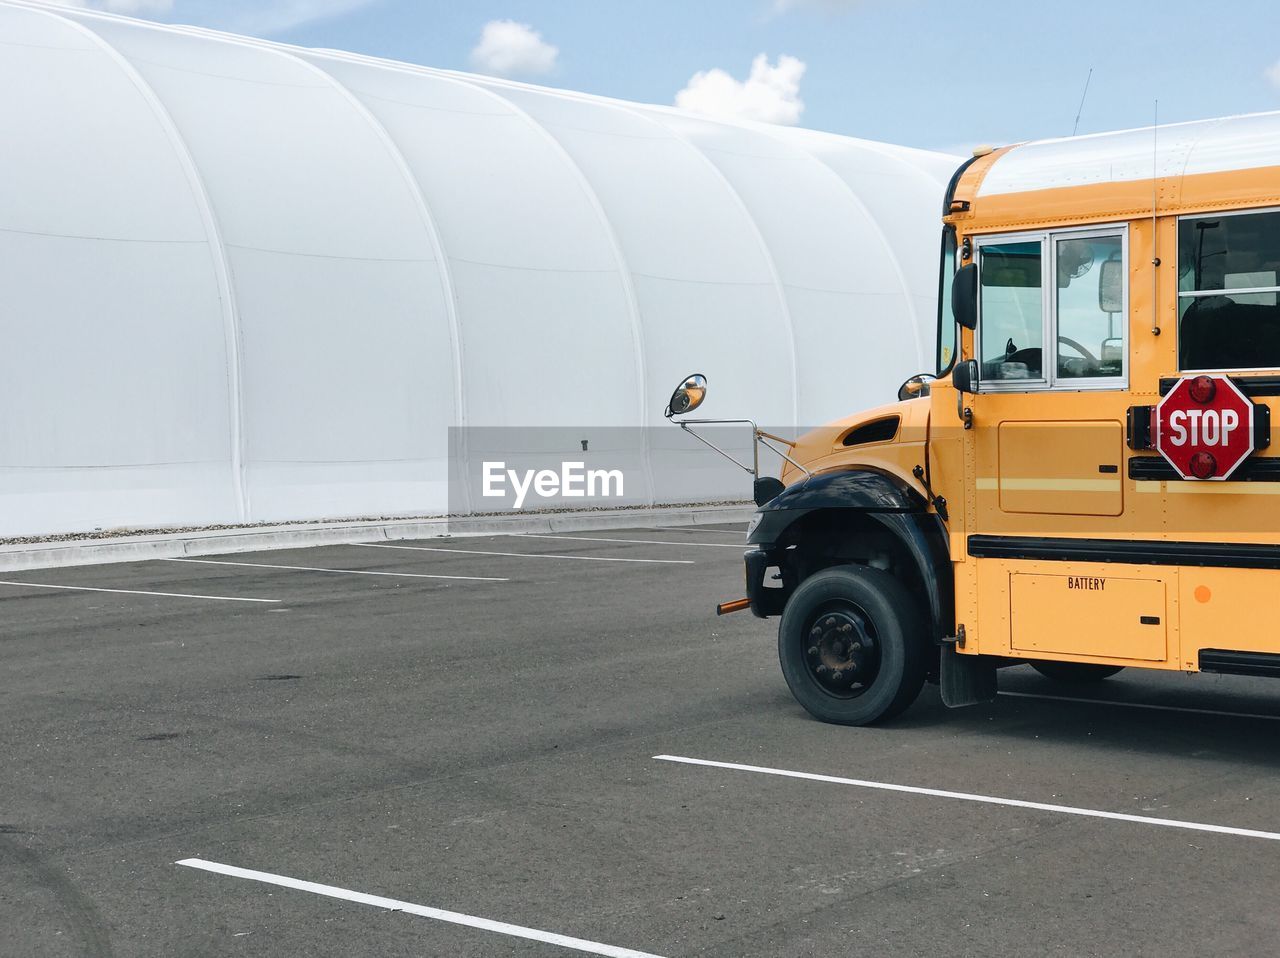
x: 1086, y: 484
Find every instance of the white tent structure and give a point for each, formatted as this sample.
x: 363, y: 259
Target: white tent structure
x: 243, y: 282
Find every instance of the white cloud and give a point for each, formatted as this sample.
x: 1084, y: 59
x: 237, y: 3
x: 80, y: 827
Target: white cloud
x: 770, y: 94
x: 1273, y: 74
x: 507, y: 48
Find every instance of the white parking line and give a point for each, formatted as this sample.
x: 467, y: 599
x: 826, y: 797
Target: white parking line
x: 517, y: 555
x: 985, y: 799
x: 1142, y: 705
x: 304, y: 568
x: 639, y: 542
x: 740, y: 533
x: 391, y: 904
x: 169, y: 595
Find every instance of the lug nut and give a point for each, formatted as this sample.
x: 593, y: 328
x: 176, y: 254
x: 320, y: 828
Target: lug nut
x: 813, y: 650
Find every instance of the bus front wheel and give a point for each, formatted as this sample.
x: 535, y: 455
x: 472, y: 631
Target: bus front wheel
x: 851, y: 644
x: 1077, y: 673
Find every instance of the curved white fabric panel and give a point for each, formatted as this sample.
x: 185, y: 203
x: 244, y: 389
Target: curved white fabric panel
x: 248, y: 282
x: 338, y: 294
x: 114, y: 362
x: 898, y: 189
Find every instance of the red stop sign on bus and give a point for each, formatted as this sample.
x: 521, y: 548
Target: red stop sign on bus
x: 1204, y: 427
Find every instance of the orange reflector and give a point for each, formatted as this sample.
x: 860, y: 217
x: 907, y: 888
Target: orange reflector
x: 737, y: 605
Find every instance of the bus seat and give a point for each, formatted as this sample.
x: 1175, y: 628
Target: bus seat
x: 1217, y: 333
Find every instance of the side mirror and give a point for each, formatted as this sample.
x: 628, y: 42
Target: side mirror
x: 965, y: 376
x: 688, y: 396
x: 915, y: 387
x: 1111, y: 286
x: 964, y: 296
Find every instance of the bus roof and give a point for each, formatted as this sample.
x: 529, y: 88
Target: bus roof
x: 1232, y: 161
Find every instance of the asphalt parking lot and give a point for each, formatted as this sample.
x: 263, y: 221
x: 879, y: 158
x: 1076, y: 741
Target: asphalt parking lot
x: 280, y: 754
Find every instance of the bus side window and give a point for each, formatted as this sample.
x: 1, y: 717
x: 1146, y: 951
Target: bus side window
x: 1229, y: 291
x: 1011, y: 324
x: 1091, y: 325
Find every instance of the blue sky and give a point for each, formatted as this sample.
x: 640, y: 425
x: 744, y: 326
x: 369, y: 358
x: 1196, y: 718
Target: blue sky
x: 918, y: 72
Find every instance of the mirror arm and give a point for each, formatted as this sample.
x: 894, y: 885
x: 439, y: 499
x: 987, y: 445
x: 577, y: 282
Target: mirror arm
x: 754, y: 469
x: 763, y: 438
x: 963, y: 411
x: 790, y: 443
x: 759, y: 437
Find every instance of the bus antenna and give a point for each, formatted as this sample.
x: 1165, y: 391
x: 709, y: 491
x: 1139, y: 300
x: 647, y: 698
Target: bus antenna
x: 1155, y: 206
x: 1080, y: 109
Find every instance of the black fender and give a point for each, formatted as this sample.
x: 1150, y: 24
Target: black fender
x: 880, y: 496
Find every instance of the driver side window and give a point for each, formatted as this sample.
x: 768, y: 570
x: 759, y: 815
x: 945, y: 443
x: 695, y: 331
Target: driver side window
x: 1053, y: 310
x: 1012, y: 303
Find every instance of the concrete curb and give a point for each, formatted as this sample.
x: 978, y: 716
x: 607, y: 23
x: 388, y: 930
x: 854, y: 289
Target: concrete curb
x: 47, y: 555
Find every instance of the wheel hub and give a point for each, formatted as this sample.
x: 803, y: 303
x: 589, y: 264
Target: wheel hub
x: 843, y: 653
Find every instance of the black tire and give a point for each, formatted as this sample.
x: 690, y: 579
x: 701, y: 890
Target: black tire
x: 833, y: 671
x: 1076, y: 673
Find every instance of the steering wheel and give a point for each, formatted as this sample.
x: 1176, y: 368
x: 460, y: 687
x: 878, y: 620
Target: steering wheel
x: 1067, y: 340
